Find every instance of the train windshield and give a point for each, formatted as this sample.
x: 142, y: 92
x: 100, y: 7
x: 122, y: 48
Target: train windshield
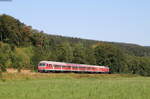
x: 42, y: 64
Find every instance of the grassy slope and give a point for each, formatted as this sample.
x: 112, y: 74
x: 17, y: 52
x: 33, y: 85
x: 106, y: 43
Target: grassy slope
x: 74, y: 86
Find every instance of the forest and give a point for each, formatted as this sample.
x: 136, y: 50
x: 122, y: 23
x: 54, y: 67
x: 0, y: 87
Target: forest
x: 22, y: 47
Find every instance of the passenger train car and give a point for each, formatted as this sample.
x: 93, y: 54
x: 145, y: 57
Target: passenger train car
x: 51, y: 66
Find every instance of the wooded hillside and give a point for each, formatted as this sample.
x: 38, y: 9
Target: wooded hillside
x: 21, y: 46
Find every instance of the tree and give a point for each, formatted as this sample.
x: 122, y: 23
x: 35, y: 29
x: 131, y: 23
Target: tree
x: 79, y: 54
x: 109, y: 55
x: 5, y: 56
x: 10, y: 30
x: 38, y: 39
x: 89, y: 56
x: 64, y: 52
x: 21, y: 58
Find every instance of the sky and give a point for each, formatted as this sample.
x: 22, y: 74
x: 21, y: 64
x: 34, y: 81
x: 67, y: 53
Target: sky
x: 105, y: 20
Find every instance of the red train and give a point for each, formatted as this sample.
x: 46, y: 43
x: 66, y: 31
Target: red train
x: 51, y: 66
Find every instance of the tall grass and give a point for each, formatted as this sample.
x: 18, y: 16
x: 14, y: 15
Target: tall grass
x: 74, y: 86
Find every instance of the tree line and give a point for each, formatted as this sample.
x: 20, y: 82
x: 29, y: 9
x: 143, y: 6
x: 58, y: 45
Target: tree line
x: 22, y: 47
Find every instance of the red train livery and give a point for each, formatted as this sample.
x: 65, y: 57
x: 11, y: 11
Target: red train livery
x: 51, y: 66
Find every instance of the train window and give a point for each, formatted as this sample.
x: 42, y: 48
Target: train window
x: 42, y: 64
x: 49, y: 65
x: 57, y: 66
x: 64, y: 66
x: 82, y: 67
x: 75, y: 67
x: 68, y: 66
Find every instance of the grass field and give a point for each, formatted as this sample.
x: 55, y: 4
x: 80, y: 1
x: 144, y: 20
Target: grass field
x: 73, y: 86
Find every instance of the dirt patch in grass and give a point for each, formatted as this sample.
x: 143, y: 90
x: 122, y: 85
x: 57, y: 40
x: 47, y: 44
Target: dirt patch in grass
x: 13, y: 74
x: 11, y: 70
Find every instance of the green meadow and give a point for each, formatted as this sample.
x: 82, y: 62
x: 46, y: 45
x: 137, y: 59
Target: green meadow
x: 73, y: 86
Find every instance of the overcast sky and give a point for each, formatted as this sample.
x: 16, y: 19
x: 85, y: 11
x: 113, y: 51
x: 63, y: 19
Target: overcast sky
x: 105, y: 20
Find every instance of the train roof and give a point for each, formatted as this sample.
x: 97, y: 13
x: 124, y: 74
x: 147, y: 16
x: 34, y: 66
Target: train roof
x: 71, y: 64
